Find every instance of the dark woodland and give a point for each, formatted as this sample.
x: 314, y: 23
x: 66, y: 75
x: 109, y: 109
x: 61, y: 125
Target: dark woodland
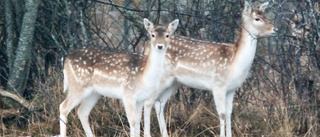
x: 281, y: 97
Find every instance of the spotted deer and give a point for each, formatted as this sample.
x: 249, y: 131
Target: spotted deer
x: 92, y: 72
x: 218, y: 67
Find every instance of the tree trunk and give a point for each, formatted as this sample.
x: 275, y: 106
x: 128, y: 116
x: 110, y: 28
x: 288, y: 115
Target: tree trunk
x: 21, y: 65
x: 9, y: 31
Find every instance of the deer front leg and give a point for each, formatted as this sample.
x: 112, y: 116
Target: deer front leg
x: 219, y: 95
x: 160, y: 106
x: 229, y: 104
x: 132, y: 108
x: 147, y: 114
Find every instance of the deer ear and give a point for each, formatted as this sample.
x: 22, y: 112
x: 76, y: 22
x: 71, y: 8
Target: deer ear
x: 173, y: 26
x: 247, y: 8
x: 147, y: 25
x: 263, y: 6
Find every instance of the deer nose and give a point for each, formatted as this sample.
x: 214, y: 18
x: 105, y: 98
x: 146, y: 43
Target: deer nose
x: 160, y: 46
x: 275, y: 30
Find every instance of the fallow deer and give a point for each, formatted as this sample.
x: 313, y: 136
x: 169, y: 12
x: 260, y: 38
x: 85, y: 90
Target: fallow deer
x: 92, y: 72
x: 217, y: 67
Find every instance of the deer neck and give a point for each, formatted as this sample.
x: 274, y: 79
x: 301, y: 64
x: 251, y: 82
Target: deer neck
x: 154, y: 65
x: 245, y: 51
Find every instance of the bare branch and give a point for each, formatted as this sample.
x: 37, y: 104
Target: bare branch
x: 17, y: 98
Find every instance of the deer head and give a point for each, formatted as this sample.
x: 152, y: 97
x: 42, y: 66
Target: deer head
x: 256, y: 22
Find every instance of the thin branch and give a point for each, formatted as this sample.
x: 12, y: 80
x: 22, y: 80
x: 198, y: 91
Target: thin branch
x: 314, y: 18
x: 17, y: 98
x: 83, y: 29
x: 147, y: 11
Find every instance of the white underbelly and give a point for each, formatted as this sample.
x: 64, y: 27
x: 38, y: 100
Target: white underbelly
x: 203, y: 83
x: 110, y: 92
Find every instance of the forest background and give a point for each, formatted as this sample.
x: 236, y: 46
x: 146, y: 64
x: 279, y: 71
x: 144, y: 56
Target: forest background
x: 280, y: 97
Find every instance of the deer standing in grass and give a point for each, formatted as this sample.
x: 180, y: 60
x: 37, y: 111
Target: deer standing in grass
x: 92, y: 72
x: 217, y: 67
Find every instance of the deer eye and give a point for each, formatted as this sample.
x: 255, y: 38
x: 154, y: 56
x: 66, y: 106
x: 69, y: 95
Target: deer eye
x: 167, y: 36
x: 152, y: 35
x: 257, y: 19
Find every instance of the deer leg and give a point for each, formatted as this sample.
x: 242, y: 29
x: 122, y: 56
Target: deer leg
x: 165, y: 84
x: 84, y: 110
x: 160, y: 106
x: 147, y: 114
x: 229, y: 103
x: 219, y: 96
x: 65, y: 107
x: 131, y: 109
x: 139, y: 107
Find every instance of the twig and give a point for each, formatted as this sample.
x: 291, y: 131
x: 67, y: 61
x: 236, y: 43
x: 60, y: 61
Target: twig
x: 314, y: 18
x: 17, y: 98
x: 148, y: 11
x: 7, y: 113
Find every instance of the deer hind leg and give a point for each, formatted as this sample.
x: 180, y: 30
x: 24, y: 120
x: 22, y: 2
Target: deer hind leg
x: 74, y: 97
x: 84, y: 110
x: 65, y: 107
x: 219, y: 95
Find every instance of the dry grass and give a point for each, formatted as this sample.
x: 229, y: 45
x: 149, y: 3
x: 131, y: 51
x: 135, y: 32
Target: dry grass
x: 257, y: 112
